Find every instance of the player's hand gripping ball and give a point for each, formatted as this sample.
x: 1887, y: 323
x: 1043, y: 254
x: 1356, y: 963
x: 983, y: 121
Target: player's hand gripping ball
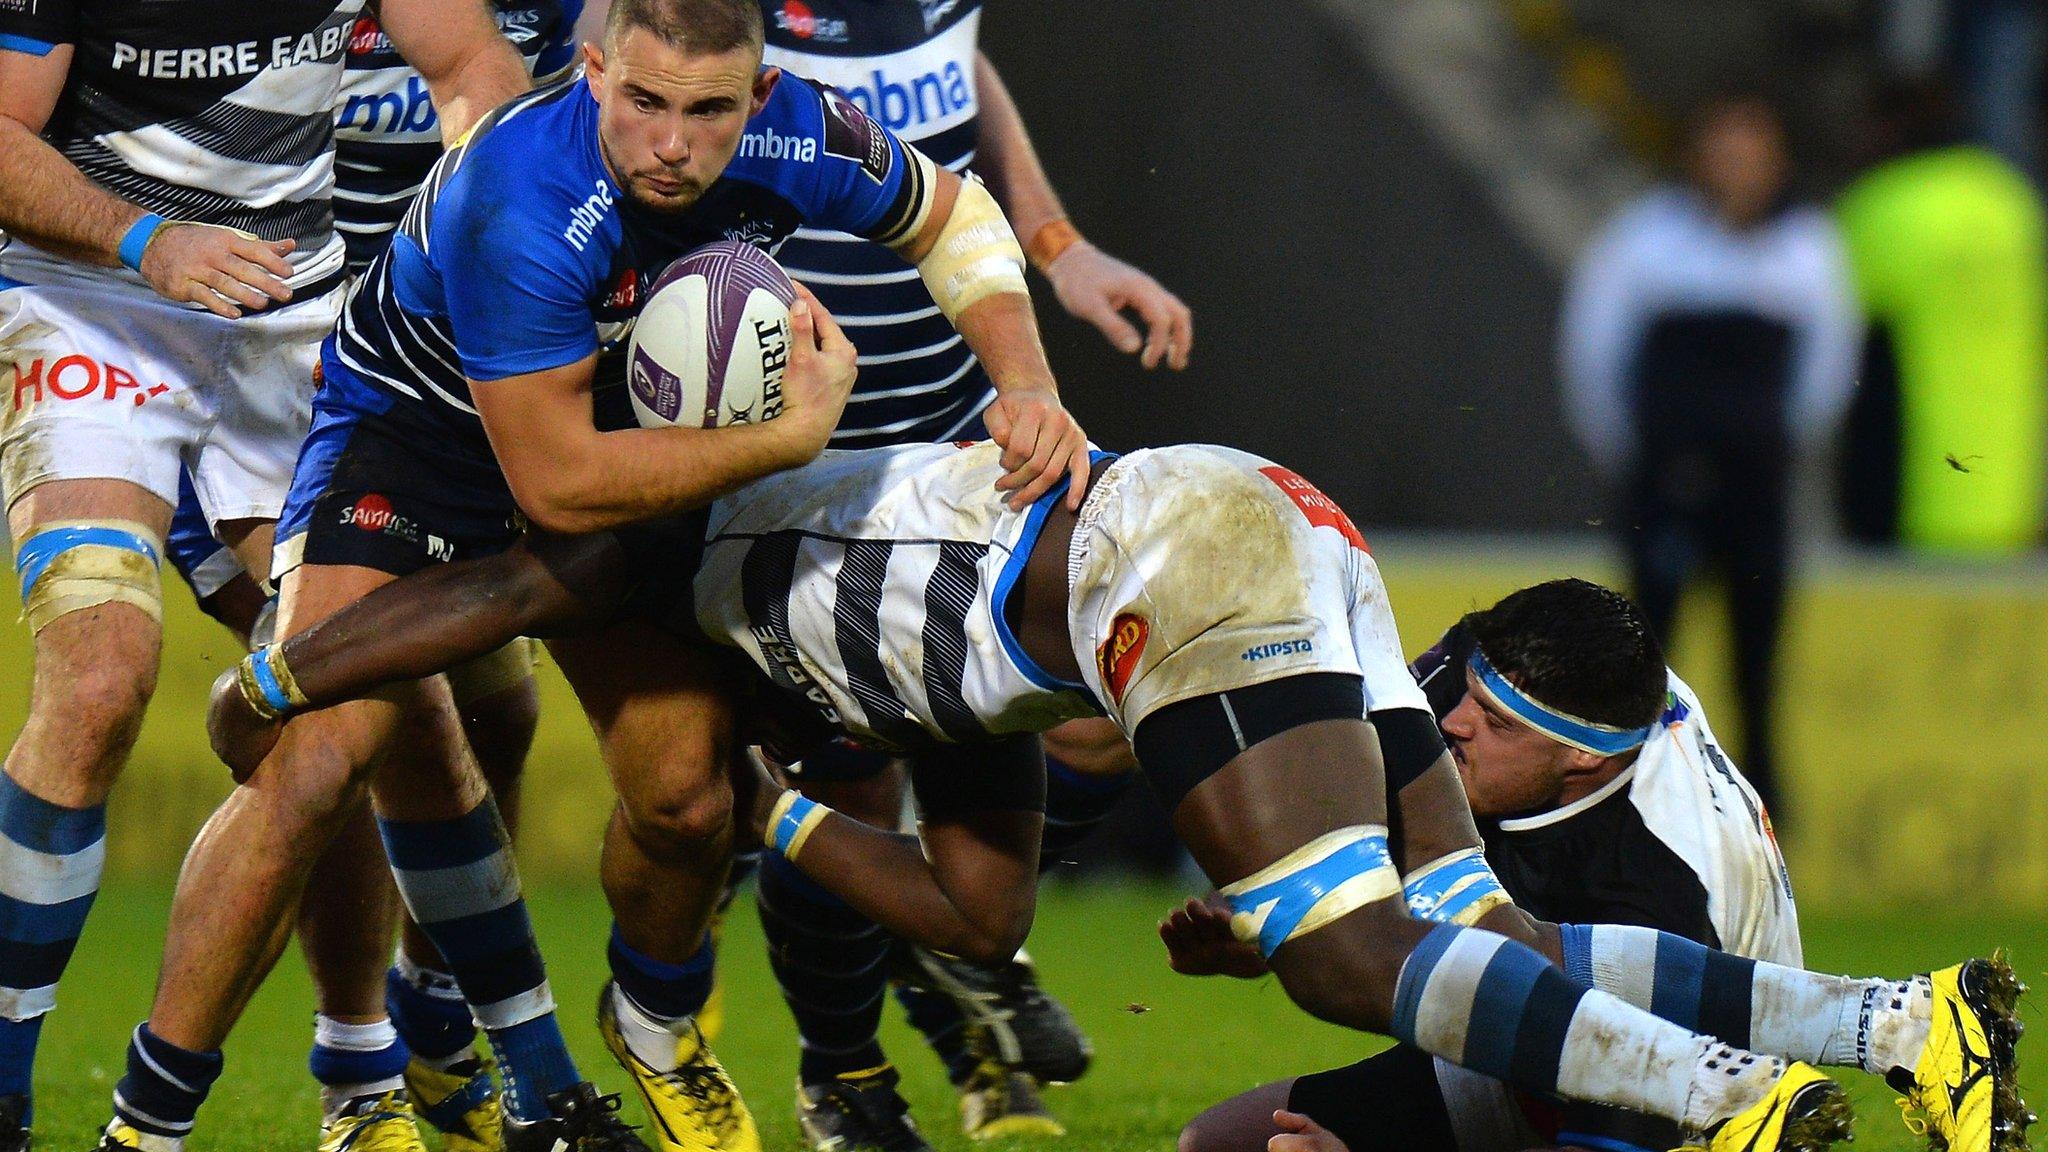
x: 711, y: 345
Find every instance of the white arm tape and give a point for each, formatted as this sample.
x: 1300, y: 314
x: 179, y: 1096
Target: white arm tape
x: 976, y: 255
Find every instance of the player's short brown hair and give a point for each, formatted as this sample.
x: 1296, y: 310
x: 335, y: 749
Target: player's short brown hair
x: 696, y: 26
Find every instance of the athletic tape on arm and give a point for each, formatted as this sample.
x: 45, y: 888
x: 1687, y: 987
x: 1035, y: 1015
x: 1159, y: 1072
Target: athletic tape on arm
x: 69, y: 567
x: 1456, y: 889
x: 976, y: 256
x: 791, y: 822
x: 1334, y: 874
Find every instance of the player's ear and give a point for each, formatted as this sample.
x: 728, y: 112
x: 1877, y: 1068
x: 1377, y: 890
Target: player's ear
x: 764, y: 82
x: 593, y: 68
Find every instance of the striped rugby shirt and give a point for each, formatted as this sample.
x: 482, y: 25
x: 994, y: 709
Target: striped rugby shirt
x: 909, y: 64
x: 872, y: 583
x: 386, y: 133
x: 216, y: 111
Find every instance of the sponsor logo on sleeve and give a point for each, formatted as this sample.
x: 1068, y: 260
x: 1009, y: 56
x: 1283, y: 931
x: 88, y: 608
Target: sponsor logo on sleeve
x: 1320, y: 510
x: 796, y: 18
x: 851, y: 135
x: 1116, y: 658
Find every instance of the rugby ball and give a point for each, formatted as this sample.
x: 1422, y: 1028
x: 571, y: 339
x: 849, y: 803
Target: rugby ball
x: 711, y: 344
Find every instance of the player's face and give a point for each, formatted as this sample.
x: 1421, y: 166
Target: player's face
x: 670, y: 121
x: 1508, y: 767
x: 1738, y: 159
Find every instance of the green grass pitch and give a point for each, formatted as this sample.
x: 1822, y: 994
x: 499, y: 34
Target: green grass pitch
x: 1166, y: 1046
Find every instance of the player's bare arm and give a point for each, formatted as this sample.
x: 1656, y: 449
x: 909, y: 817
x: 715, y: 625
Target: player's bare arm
x: 1090, y: 284
x: 569, y: 477
x: 456, y: 47
x: 968, y: 257
x: 426, y: 623
x: 966, y: 884
x: 48, y: 202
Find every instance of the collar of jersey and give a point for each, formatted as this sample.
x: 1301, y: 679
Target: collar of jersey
x: 1583, y: 804
x: 1013, y: 568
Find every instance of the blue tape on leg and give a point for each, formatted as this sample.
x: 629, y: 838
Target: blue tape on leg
x: 1289, y: 899
x: 38, y: 551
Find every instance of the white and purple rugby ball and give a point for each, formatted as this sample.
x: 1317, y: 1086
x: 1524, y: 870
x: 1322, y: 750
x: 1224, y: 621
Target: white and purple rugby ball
x: 710, y: 347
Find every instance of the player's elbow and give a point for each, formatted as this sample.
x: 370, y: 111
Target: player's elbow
x: 557, y: 503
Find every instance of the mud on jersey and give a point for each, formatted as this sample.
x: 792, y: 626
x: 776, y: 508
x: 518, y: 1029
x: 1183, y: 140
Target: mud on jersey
x: 522, y: 253
x: 219, y: 111
x: 910, y: 65
x: 386, y: 132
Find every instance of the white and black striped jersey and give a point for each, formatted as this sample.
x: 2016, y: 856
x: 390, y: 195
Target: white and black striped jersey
x: 1678, y: 841
x: 386, y: 132
x: 874, y: 583
x: 908, y: 64
x: 218, y: 111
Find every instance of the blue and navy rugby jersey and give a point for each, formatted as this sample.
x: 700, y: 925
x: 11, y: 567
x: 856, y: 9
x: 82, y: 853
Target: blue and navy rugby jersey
x: 522, y: 246
x: 386, y: 133
x: 910, y: 65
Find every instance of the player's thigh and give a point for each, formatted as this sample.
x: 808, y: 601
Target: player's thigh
x: 1242, y: 1123
x: 663, y: 711
x: 1091, y: 746
x: 1434, y: 817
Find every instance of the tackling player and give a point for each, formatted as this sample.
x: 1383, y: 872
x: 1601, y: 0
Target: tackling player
x: 1667, y: 836
x: 917, y: 68
x: 1227, y: 616
x: 457, y: 407
x: 168, y: 267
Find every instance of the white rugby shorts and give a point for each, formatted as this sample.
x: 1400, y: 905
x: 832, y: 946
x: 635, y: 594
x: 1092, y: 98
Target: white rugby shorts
x: 110, y: 382
x: 1197, y: 569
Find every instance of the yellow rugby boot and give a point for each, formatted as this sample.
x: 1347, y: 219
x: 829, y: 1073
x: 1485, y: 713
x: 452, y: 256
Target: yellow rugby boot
x: 119, y: 1136
x: 1965, y: 1086
x: 1803, y: 1112
x: 998, y: 1102
x: 461, y: 1102
x: 695, y: 1107
x: 380, y: 1123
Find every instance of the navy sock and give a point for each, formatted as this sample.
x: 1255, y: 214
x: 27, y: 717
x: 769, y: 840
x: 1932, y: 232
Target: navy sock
x: 1075, y: 802
x: 429, y: 1012
x: 831, y: 962
x: 460, y: 884
x: 666, y: 991
x: 165, y: 1084
x: 54, y: 855
x: 359, y: 1057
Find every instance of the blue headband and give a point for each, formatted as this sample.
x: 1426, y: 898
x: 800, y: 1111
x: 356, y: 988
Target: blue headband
x: 1585, y: 735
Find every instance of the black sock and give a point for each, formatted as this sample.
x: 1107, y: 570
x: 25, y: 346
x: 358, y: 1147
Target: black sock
x: 832, y: 964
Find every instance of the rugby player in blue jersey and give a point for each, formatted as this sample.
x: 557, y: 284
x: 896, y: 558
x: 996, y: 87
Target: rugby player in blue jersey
x: 457, y: 408
x: 1268, y: 705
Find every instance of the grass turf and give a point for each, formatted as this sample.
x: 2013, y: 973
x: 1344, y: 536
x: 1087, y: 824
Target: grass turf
x: 1166, y: 1046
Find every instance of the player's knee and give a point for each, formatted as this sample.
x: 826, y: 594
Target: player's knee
x: 94, y: 708
x: 683, y: 821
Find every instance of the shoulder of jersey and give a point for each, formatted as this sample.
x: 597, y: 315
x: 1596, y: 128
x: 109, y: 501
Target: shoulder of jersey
x: 525, y: 146
x: 786, y: 136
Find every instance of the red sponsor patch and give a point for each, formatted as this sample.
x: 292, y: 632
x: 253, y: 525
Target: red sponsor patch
x: 625, y: 293
x: 797, y: 17
x: 77, y: 377
x: 1117, y: 657
x: 1320, y: 509
x: 365, y: 37
x: 372, y: 513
